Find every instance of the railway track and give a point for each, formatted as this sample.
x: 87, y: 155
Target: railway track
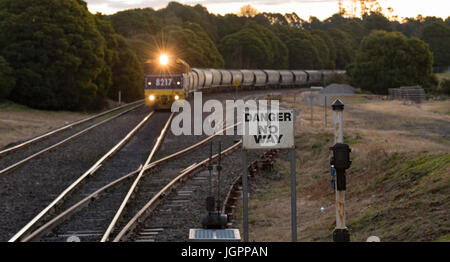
x: 135, y: 183
x: 176, y: 206
x: 128, y: 159
x: 89, y: 223
x: 180, y: 205
x: 31, y: 187
x: 41, y: 217
x: 167, y: 178
x: 115, y: 201
x: 74, y: 130
x: 60, y: 129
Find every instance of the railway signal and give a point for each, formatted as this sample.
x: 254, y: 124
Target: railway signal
x: 214, y: 219
x: 340, y: 162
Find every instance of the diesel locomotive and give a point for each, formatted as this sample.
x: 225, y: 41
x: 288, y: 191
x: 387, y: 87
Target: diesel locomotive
x: 165, y: 81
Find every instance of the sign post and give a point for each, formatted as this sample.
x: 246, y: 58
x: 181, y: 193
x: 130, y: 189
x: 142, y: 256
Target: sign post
x: 311, y: 97
x: 325, y: 109
x: 265, y: 129
x: 293, y: 189
x: 245, y: 196
x: 236, y: 84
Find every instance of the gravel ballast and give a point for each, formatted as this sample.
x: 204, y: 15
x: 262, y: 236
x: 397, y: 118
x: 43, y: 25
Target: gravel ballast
x: 30, y: 188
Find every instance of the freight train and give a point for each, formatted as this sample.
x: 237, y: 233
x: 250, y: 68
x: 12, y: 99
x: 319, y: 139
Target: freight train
x: 211, y: 79
x: 172, y: 79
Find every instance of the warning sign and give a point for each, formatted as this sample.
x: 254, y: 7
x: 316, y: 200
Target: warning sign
x: 265, y: 129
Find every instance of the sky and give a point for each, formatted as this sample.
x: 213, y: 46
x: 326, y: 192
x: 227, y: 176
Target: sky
x: 304, y: 8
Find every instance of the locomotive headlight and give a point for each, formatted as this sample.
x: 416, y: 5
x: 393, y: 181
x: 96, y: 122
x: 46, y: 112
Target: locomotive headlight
x: 163, y: 59
x: 178, y: 83
x: 176, y: 97
x: 151, y: 97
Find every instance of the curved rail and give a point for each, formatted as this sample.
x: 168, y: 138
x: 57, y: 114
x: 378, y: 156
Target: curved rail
x: 85, y: 202
x: 231, y: 197
x: 136, y: 181
x: 79, y: 205
x: 23, y: 161
x: 75, y: 184
x: 151, y: 205
x: 58, y: 130
x: 267, y: 160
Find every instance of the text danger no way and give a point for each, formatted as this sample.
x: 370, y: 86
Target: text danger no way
x: 273, y: 129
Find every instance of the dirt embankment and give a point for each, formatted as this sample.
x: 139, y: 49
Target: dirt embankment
x: 19, y: 123
x: 398, y: 186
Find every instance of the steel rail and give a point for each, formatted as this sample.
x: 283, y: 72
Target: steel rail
x: 190, y: 148
x: 234, y: 189
x: 151, y: 205
x: 231, y: 192
x: 86, y: 201
x: 60, y: 129
x: 136, y: 181
x: 26, y: 229
x: 71, y: 210
x: 23, y: 161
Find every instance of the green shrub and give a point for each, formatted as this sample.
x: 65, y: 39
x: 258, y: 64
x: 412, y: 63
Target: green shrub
x: 7, y: 81
x: 445, y: 87
x: 390, y: 60
x: 58, y: 55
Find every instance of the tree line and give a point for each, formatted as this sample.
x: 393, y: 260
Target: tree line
x: 55, y: 54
